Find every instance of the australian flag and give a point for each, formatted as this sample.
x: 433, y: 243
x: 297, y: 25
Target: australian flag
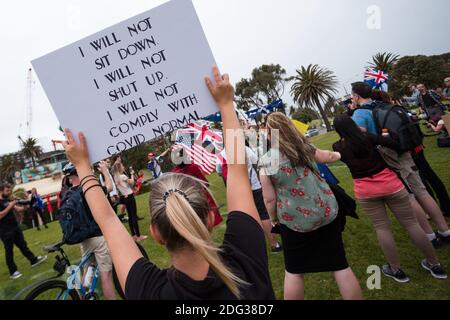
x: 377, y: 79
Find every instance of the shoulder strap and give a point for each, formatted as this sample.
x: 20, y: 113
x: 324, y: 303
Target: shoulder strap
x: 365, y: 107
x: 386, y: 117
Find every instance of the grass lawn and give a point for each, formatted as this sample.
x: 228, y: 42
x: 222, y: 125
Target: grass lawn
x: 360, y: 241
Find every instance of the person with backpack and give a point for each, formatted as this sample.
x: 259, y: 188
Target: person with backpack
x: 251, y: 160
x: 307, y: 210
x: 79, y: 226
x: 430, y: 179
x: 385, y: 119
x: 377, y: 186
x: 181, y: 221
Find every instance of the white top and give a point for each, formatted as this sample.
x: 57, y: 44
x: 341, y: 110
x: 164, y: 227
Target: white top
x: 123, y: 186
x: 251, y: 159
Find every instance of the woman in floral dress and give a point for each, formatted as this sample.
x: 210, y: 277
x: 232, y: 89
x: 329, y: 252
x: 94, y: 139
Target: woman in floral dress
x: 306, y: 209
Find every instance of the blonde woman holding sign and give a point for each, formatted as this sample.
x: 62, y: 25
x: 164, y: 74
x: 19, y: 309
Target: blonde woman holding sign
x: 181, y: 220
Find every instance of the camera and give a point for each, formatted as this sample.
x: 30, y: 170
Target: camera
x: 23, y: 202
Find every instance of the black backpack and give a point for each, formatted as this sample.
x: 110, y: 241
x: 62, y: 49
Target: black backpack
x: 75, y: 218
x: 396, y: 120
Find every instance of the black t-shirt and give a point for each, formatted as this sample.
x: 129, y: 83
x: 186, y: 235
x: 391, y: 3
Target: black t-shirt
x: 243, y: 251
x: 9, y: 221
x: 428, y: 100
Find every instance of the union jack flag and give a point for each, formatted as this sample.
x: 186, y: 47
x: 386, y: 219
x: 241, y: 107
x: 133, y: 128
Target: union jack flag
x: 375, y: 78
x: 201, y: 144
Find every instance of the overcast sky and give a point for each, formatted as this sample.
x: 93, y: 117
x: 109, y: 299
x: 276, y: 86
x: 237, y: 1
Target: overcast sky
x: 341, y: 35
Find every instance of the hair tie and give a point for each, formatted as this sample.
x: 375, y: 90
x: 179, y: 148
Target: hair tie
x: 171, y: 191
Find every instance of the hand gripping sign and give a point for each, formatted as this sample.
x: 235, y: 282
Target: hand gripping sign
x: 132, y: 82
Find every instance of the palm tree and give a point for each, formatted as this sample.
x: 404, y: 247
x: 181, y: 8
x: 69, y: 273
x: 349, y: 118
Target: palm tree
x: 30, y: 149
x: 330, y: 106
x: 384, y: 61
x: 8, y: 166
x: 312, y: 86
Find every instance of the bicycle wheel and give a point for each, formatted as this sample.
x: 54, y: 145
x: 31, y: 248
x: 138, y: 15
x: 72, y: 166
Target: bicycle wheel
x: 116, y: 279
x: 52, y: 290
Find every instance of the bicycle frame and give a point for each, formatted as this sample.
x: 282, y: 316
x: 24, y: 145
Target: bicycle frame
x: 74, y: 282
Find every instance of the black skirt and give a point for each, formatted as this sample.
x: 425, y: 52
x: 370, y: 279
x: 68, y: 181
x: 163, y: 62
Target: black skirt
x: 321, y: 250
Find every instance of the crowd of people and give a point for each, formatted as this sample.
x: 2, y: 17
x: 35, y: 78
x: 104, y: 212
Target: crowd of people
x: 432, y: 103
x: 277, y: 188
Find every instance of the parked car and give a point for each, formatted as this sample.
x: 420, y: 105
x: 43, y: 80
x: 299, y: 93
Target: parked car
x: 311, y: 133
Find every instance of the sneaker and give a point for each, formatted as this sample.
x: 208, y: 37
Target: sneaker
x: 15, y: 275
x: 39, y: 260
x: 277, y: 248
x: 437, y: 242
x: 443, y: 239
x: 398, y: 275
x: 436, y: 270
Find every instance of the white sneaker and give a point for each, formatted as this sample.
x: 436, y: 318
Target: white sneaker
x: 15, y: 275
x: 39, y: 260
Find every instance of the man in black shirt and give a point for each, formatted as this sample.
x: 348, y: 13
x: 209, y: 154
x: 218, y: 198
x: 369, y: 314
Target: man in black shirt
x: 11, y: 234
x: 430, y: 102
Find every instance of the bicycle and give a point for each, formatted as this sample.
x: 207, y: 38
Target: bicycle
x: 74, y: 287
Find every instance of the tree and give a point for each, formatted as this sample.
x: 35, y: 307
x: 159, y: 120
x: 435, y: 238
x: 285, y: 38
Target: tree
x: 384, y: 61
x: 330, y: 107
x: 292, y: 110
x: 429, y: 70
x: 30, y: 149
x: 8, y: 166
x: 265, y: 86
x: 137, y: 157
x: 305, y: 115
x: 312, y: 86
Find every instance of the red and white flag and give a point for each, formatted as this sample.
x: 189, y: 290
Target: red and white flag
x: 201, y: 145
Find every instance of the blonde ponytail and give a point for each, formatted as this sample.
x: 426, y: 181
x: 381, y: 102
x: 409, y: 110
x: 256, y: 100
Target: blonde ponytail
x: 186, y: 212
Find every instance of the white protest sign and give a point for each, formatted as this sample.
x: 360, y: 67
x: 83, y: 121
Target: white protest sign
x: 132, y: 82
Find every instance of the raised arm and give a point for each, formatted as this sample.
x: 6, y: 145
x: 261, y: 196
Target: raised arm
x: 239, y: 193
x: 104, y: 170
x: 165, y: 152
x: 123, y: 249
